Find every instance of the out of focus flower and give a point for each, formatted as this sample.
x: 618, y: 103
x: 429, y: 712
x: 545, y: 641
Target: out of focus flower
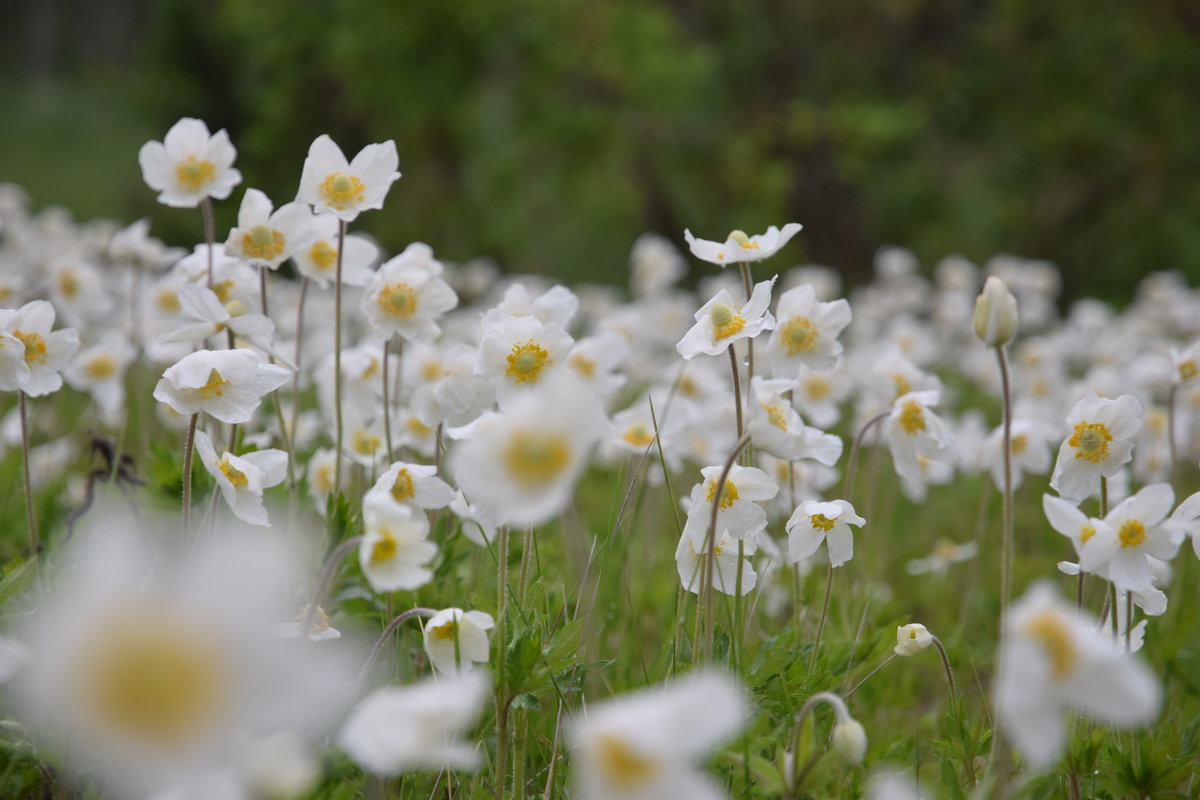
x: 654, y: 265
x: 739, y: 247
x: 775, y: 426
x: 1101, y: 441
x: 100, y: 371
x: 720, y: 322
x: 318, y: 260
x: 189, y: 165
x: 31, y: 355
x: 243, y: 478
x: 1187, y: 363
x: 267, y: 239
x: 227, y: 384
x: 455, y: 641
x: 345, y: 188
x: 945, y: 553
x: 806, y: 333
x: 395, y: 551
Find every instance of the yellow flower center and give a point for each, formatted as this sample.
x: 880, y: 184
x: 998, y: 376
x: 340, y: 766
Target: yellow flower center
x: 324, y: 478
x: 1020, y: 444
x: 262, y: 241
x: 638, y: 435
x: 431, y: 370
x: 416, y: 427
x: 1188, y: 370
x: 224, y: 291
x: 743, y: 241
x: 622, y: 767
x: 729, y: 492
x: 526, y: 362
x: 397, y: 299
x: 903, y: 386
x: 446, y: 631
x: 1091, y: 441
x: 583, y: 365
x: 35, y: 347
x: 726, y: 321
x: 372, y: 369
x: 1085, y: 533
x: 194, y: 173
x: 912, y: 417
x: 341, y: 191
x: 323, y: 255
x: 100, y: 367
x: 799, y: 335
x: 235, y: 475
x: 68, y: 284
x: 153, y: 678
x: 1132, y: 533
x: 365, y: 442
x: 385, y: 547
x: 821, y: 522
x: 1051, y: 632
x: 168, y: 301
x: 817, y: 388
x: 776, y: 416
x: 402, y: 488
x: 215, y: 387
x: 320, y: 620
x: 535, y: 458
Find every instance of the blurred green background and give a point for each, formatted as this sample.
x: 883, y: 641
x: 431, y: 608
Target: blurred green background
x: 548, y: 134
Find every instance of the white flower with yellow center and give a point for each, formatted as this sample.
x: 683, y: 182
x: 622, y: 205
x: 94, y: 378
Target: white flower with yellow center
x: 518, y: 353
x: 395, y: 551
x: 720, y: 322
x: 100, y: 371
x: 819, y: 394
x: 556, y: 305
x: 815, y: 522
x: 690, y: 559
x: 455, y: 641
x: 1052, y: 659
x: 739, y: 247
x: 243, y: 478
x: 1187, y: 363
x: 775, y: 426
x: 415, y: 485
x: 597, y: 361
x: 267, y: 239
x: 226, y: 384
x: 806, y: 332
x: 407, y: 295
x: 655, y: 265
x: 1100, y: 443
x: 189, y: 165
x: 650, y: 743
x: 209, y: 317
x: 396, y: 730
x: 79, y: 291
x: 1134, y: 530
x: 345, y: 188
x: 912, y: 639
x: 134, y: 245
x: 738, y: 511
x: 1065, y: 517
x: 1031, y: 450
x: 317, y: 261
x: 520, y: 466
x: 322, y: 469
x: 945, y: 553
x: 33, y: 361
x: 914, y: 431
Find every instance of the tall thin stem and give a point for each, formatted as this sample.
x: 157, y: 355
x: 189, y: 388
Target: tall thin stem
x: 737, y: 390
x: 326, y: 579
x: 387, y: 406
x: 748, y: 285
x: 946, y: 665
x: 210, y: 235
x: 501, y: 661
x: 188, y: 447
x: 337, y: 355
x: 298, y: 351
x: 707, y: 585
x: 1006, y: 559
x: 1173, y: 455
x: 855, y: 447
x: 285, y: 437
x: 871, y: 674
x: 396, y: 622
x: 30, y: 518
x: 821, y: 622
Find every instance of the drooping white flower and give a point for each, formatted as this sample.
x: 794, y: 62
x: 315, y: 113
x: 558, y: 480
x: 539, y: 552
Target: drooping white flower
x: 720, y: 322
x: 243, y: 478
x: 739, y: 247
x: 226, y: 384
x: 1099, y: 444
x: 913, y: 431
x: 912, y: 639
x: 210, y: 317
x: 189, y: 165
x: 396, y: 730
x: 774, y: 426
x: 395, y: 551
x: 455, y: 641
x: 690, y: 558
x: 1133, y: 530
x: 407, y: 295
x: 649, y: 744
x: 345, y: 188
x: 25, y: 333
x: 738, y: 511
x: 267, y: 239
x: 416, y: 485
x: 1052, y: 659
x: 806, y: 333
x: 815, y: 522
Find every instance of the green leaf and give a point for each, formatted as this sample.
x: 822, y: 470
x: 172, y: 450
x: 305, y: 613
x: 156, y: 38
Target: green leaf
x: 17, y: 580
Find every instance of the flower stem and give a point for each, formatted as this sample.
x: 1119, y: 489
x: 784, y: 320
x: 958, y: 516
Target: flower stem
x: 712, y: 542
x: 748, y: 285
x: 337, y: 355
x: 871, y: 674
x: 737, y: 390
x: 1006, y: 556
x: 821, y: 622
x: 1171, y: 435
x: 326, y: 579
x: 501, y: 659
x: 387, y: 409
x: 946, y: 665
x: 30, y: 518
x: 284, y: 436
x: 188, y: 448
x: 396, y: 622
x: 855, y: 447
x: 299, y: 350
x: 209, y: 234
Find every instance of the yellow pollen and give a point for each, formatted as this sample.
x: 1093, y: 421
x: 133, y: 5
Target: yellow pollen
x: 1188, y: 370
x: 729, y: 492
x: 324, y: 478
x: 431, y: 370
x: 817, y: 388
x: 583, y: 365
x: 320, y: 620
x: 35, y: 347
x: 1132, y: 533
x: 622, y: 767
x: 776, y: 416
x: 215, y: 387
x: 262, y: 241
x: 235, y: 475
x: 1051, y: 632
x: 1085, y: 533
x: 912, y: 417
x: 526, y: 361
x: 341, y: 191
x: 397, y: 299
x: 402, y: 488
x: 726, y: 321
x: 224, y: 291
x: 689, y: 387
x: 903, y: 386
x: 821, y: 522
x: 372, y: 369
x: 1020, y: 444
x: 416, y: 427
x: 168, y: 301
x: 743, y: 241
x: 536, y: 458
x: 638, y: 435
x: 68, y: 283
x: 1091, y: 441
x: 446, y: 631
x: 193, y: 173
x: 153, y: 678
x: 385, y: 548
x: 799, y: 335
x: 323, y: 255
x: 365, y: 442
x: 1040, y: 388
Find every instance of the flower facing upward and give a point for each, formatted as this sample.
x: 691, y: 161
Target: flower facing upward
x: 455, y: 641
x: 1101, y: 441
x: 407, y: 295
x: 815, y: 522
x: 189, y: 165
x: 318, y: 260
x: 806, y: 333
x: 226, y: 384
x: 720, y: 322
x: 739, y: 247
x: 519, y: 353
x: 346, y: 188
x: 268, y: 239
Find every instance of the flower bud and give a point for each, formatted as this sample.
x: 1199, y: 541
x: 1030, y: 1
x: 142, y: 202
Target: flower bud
x: 912, y: 639
x: 995, y: 320
x: 850, y: 740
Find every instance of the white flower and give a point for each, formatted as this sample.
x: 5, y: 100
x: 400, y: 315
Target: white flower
x: 242, y: 479
x: 395, y: 552
x: 189, y: 165
x: 1133, y: 530
x: 1051, y: 659
x: 227, y: 384
x: 518, y: 353
x: 913, y: 431
x: 318, y: 260
x: 416, y: 485
x: 739, y: 247
x: 720, y: 322
x: 1187, y: 363
x: 912, y: 639
x: 648, y: 744
x: 655, y: 265
x: 211, y: 318
x: 330, y: 183
x: 1030, y: 450
x: 1066, y: 518
x: 995, y: 320
x: 816, y: 522
x: 738, y: 511
x: 945, y: 553
x: 775, y: 426
x: 267, y: 239
x: 418, y: 726
x: 850, y: 740
x: 322, y: 468
x: 806, y: 332
x: 100, y: 370
x: 690, y: 557
x: 277, y: 767
x: 1100, y: 443
x: 407, y: 295
x: 455, y: 640
x: 31, y: 355
x: 557, y: 305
